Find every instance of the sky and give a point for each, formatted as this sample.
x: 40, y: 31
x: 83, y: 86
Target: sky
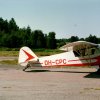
x: 64, y: 17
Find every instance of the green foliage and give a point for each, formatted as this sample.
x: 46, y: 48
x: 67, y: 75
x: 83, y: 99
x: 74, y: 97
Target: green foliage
x: 92, y: 39
x: 8, y: 52
x: 12, y: 25
x: 61, y: 42
x: 51, y: 41
x: 74, y: 38
x: 10, y: 62
x: 37, y: 39
x: 11, y: 36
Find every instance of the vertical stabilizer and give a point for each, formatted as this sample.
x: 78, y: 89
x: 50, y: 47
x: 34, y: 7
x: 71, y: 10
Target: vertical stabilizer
x: 26, y: 55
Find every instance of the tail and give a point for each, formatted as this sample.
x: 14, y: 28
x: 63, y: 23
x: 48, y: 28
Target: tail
x: 26, y: 55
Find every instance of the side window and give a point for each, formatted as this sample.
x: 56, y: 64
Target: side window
x: 92, y: 51
x: 80, y: 53
x: 77, y: 54
x: 84, y: 52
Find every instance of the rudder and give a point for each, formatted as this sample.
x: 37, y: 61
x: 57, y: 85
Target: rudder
x: 26, y: 55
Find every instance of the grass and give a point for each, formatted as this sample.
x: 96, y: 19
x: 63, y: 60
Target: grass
x: 14, y: 53
x: 97, y: 88
x: 10, y: 62
x: 91, y: 88
x: 8, y: 53
x: 46, y: 52
x: 40, y: 52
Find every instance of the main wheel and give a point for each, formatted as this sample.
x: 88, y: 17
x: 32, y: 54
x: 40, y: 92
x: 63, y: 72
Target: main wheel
x: 98, y: 71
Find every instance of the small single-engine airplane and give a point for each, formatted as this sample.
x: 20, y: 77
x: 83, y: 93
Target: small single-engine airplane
x: 80, y: 53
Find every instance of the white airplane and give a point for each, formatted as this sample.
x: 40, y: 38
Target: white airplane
x: 80, y: 53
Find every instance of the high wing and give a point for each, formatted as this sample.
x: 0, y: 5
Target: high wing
x: 81, y: 48
x: 78, y: 45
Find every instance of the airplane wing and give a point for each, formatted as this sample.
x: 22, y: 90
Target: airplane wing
x: 80, y: 48
x: 78, y: 44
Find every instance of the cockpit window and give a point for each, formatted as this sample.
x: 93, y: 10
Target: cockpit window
x: 84, y: 52
x: 76, y: 54
x: 93, y: 51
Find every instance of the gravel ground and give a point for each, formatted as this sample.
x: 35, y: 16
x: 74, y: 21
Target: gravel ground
x: 53, y: 84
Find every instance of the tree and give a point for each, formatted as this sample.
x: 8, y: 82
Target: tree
x: 61, y: 42
x: 33, y: 39
x: 6, y: 26
x: 27, y: 36
x: 92, y: 39
x: 37, y: 39
x: 12, y: 25
x: 40, y: 40
x: 11, y: 41
x: 45, y: 39
x: 1, y: 25
x: 74, y: 38
x: 99, y: 40
x: 82, y: 39
x: 51, y: 41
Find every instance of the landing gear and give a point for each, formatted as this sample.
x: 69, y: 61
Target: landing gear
x: 28, y: 65
x: 98, y: 71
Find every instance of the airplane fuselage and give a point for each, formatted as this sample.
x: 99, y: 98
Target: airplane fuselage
x: 67, y: 59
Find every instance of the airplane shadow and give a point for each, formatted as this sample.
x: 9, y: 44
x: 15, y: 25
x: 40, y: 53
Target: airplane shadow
x: 55, y: 71
x: 90, y: 74
x: 93, y: 75
x: 70, y: 71
x: 37, y: 71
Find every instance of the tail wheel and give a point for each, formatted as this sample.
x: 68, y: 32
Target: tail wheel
x: 28, y: 65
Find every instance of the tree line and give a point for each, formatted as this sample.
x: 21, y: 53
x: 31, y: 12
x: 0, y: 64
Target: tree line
x: 90, y: 38
x: 11, y: 36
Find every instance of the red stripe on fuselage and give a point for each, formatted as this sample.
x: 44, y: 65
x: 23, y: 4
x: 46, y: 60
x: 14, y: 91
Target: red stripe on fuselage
x: 96, y: 59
